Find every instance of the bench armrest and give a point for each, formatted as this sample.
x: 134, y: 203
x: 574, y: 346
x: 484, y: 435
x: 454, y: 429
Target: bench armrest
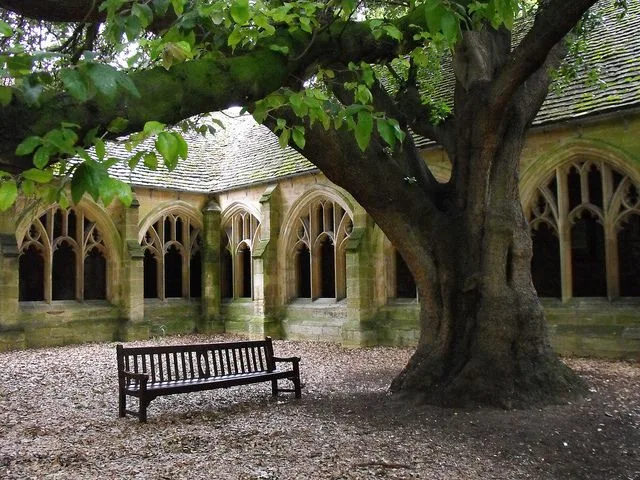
x: 286, y: 359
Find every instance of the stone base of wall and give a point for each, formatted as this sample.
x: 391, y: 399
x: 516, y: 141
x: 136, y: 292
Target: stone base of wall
x: 240, y: 317
x: 62, y: 323
x: 172, y: 316
x: 592, y: 327
x: 580, y: 327
x: 397, y: 324
x: 320, y: 320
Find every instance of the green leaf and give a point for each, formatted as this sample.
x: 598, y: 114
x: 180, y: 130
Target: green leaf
x: 298, y: 136
x: 20, y: 64
x: 364, y: 127
x: 112, y: 188
x: 235, y: 38
x: 132, y: 27
x: 183, y: 148
x: 125, y: 82
x: 135, y: 159
x: 28, y: 145
x: 283, y: 139
x: 75, y: 84
x: 240, y: 11
x: 118, y: 125
x: 151, y: 160
x: 37, y: 175
x: 153, y: 128
x: 449, y: 24
x: 28, y: 187
x: 393, y: 32
x: 386, y: 131
x: 279, y: 48
x: 41, y: 157
x: 6, y: 94
x: 168, y: 147
x: 105, y: 78
x: 8, y: 194
x: 5, y: 29
x: 143, y: 12
x: 178, y: 6
x: 100, y: 148
x: 88, y: 177
x: 160, y: 7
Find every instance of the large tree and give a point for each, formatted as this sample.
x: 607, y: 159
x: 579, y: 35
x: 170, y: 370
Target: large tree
x: 343, y: 82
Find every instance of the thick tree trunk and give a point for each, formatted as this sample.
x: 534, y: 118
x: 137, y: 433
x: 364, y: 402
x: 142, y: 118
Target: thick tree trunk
x: 488, y: 344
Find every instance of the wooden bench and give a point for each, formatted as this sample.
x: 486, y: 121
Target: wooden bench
x: 150, y: 372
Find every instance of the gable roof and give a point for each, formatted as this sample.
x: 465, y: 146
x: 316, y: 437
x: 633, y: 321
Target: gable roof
x: 245, y: 153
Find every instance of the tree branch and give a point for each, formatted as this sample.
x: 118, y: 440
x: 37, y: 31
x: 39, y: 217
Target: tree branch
x: 553, y: 22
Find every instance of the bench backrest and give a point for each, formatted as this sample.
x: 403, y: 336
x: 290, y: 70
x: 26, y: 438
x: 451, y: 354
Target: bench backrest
x: 185, y: 362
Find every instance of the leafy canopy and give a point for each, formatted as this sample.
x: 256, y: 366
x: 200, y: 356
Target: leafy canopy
x: 95, y: 63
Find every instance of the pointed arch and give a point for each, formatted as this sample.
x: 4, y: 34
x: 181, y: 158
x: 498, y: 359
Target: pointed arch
x: 316, y: 228
x: 240, y: 231
x: 577, y: 211
x: 78, y: 253
x: 171, y: 240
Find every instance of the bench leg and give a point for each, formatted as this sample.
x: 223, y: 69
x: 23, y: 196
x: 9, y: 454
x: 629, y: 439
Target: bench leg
x: 142, y: 412
x: 296, y: 386
x: 122, y: 403
x: 274, y: 387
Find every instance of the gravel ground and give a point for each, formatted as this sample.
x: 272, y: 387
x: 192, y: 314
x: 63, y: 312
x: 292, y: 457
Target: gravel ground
x: 58, y: 420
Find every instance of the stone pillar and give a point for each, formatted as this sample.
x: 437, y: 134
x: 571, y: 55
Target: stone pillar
x: 11, y: 331
x: 267, y: 310
x: 9, y: 280
x: 210, y: 320
x: 359, y: 329
x: 132, y: 275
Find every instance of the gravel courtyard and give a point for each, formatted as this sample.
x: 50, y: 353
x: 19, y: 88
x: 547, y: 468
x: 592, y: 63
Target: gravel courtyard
x: 58, y: 420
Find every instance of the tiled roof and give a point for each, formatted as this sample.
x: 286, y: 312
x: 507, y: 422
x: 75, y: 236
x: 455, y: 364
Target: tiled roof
x: 245, y: 153
x: 614, y: 53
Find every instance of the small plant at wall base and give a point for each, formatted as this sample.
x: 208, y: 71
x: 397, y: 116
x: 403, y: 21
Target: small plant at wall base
x: 343, y: 82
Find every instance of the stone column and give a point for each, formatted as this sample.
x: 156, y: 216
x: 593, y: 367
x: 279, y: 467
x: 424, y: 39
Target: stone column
x: 210, y: 320
x: 132, y: 275
x: 11, y: 332
x: 267, y: 310
x: 359, y: 329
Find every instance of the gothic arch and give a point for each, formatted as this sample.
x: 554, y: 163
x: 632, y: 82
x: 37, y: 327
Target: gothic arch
x: 542, y: 168
x: 178, y: 207
x: 318, y: 223
x: 583, y: 205
x: 240, y: 230
x: 95, y: 245
x: 170, y: 236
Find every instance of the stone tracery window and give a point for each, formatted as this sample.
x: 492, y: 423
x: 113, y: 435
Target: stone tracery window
x: 62, y: 257
x: 172, y: 258
x: 319, y: 252
x: 240, y: 231
x: 585, y: 223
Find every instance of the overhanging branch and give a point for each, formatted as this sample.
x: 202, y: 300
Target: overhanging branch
x: 553, y: 22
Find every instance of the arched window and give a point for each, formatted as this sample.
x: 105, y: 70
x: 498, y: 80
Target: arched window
x: 586, y: 233
x: 172, y: 259
x: 318, y: 251
x: 240, y: 231
x: 62, y: 257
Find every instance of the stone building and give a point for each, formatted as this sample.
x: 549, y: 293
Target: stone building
x: 246, y: 237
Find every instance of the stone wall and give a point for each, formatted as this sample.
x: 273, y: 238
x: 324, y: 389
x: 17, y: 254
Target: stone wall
x: 368, y: 315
